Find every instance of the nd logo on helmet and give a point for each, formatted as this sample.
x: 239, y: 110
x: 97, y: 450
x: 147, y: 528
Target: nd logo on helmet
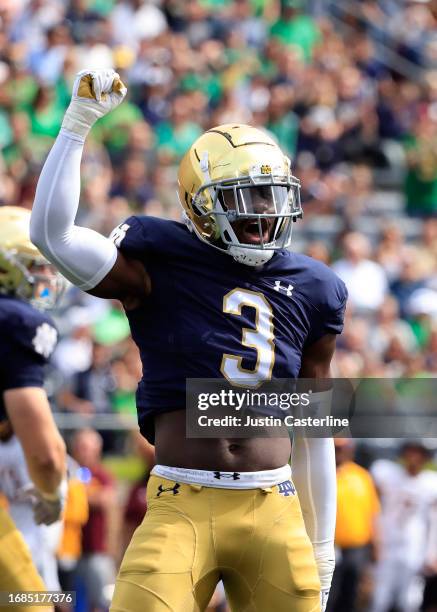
x: 266, y: 169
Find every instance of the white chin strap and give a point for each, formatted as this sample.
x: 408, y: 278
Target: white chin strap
x: 250, y: 257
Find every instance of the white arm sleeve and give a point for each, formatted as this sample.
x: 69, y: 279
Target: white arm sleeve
x: 82, y: 255
x: 314, y: 475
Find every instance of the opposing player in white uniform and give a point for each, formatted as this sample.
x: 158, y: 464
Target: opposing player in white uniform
x: 18, y: 488
x: 407, y: 494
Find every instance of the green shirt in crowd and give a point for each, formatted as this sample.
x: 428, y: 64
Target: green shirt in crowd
x: 301, y: 31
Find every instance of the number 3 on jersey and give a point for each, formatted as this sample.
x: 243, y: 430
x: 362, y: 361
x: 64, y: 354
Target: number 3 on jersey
x: 261, y: 338
x: 118, y: 234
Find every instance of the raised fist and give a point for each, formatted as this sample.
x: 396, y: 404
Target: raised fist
x: 95, y: 93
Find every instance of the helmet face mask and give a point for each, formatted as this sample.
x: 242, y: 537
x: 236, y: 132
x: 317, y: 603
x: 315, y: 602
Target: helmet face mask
x: 48, y: 286
x: 33, y: 280
x: 260, y: 202
x: 249, y: 214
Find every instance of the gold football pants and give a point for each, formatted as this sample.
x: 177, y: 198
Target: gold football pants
x: 17, y: 571
x: 193, y: 536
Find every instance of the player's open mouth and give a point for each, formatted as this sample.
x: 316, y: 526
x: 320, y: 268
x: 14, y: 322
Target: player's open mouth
x: 248, y: 231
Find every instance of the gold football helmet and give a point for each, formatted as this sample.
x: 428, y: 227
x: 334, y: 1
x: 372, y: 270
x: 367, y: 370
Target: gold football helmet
x: 237, y: 190
x: 24, y: 272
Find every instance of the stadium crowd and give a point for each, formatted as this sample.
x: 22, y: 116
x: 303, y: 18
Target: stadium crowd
x: 348, y: 89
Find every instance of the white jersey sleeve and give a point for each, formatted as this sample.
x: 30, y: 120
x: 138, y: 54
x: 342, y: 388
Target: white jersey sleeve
x: 82, y: 255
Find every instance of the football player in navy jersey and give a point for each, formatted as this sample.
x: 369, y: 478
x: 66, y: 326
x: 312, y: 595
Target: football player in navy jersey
x: 219, y: 296
x: 27, y: 338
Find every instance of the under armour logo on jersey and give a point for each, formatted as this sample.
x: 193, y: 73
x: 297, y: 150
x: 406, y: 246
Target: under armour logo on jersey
x: 233, y: 475
x: 174, y: 489
x: 278, y: 287
x: 286, y: 488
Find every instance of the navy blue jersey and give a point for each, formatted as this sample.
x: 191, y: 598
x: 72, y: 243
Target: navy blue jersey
x: 27, y: 339
x: 208, y: 316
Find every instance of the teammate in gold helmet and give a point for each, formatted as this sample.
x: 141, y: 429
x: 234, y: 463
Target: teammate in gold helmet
x: 28, y: 337
x: 24, y: 272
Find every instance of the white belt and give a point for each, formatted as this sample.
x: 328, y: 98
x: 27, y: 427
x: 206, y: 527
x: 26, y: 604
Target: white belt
x: 225, y: 480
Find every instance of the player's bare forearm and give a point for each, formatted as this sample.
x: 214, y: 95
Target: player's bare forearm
x: 32, y: 421
x: 47, y: 474
x: 128, y: 282
x: 316, y: 358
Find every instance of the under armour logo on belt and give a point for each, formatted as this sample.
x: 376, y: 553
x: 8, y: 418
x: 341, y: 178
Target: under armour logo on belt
x: 233, y: 475
x: 278, y: 287
x: 174, y: 489
x: 286, y: 488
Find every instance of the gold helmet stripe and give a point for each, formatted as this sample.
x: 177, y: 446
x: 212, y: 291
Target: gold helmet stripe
x: 243, y: 144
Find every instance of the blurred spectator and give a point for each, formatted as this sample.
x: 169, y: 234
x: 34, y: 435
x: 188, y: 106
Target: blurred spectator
x: 74, y: 352
x: 295, y: 28
x: 126, y: 370
x: 389, y: 251
x: 75, y: 517
x: 389, y: 326
x: 48, y: 63
x: 33, y: 20
x: 429, y: 237
x: 133, y: 184
x: 318, y: 250
x: 356, y: 535
x: 431, y: 350
x: 96, y: 567
x: 412, y: 276
x: 141, y: 19
x: 365, y: 279
x: 251, y: 27
x: 46, y: 114
x: 421, y: 179
x: 407, y: 492
x: 175, y: 136
x: 90, y: 391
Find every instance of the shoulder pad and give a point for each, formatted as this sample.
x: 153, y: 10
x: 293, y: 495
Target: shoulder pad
x: 142, y: 236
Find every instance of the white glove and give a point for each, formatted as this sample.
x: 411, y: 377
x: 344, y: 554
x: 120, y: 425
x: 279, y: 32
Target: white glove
x: 324, y: 555
x: 47, y: 507
x: 95, y: 93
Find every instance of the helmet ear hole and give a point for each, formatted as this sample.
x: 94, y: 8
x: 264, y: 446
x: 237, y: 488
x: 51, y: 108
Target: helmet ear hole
x: 226, y: 235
